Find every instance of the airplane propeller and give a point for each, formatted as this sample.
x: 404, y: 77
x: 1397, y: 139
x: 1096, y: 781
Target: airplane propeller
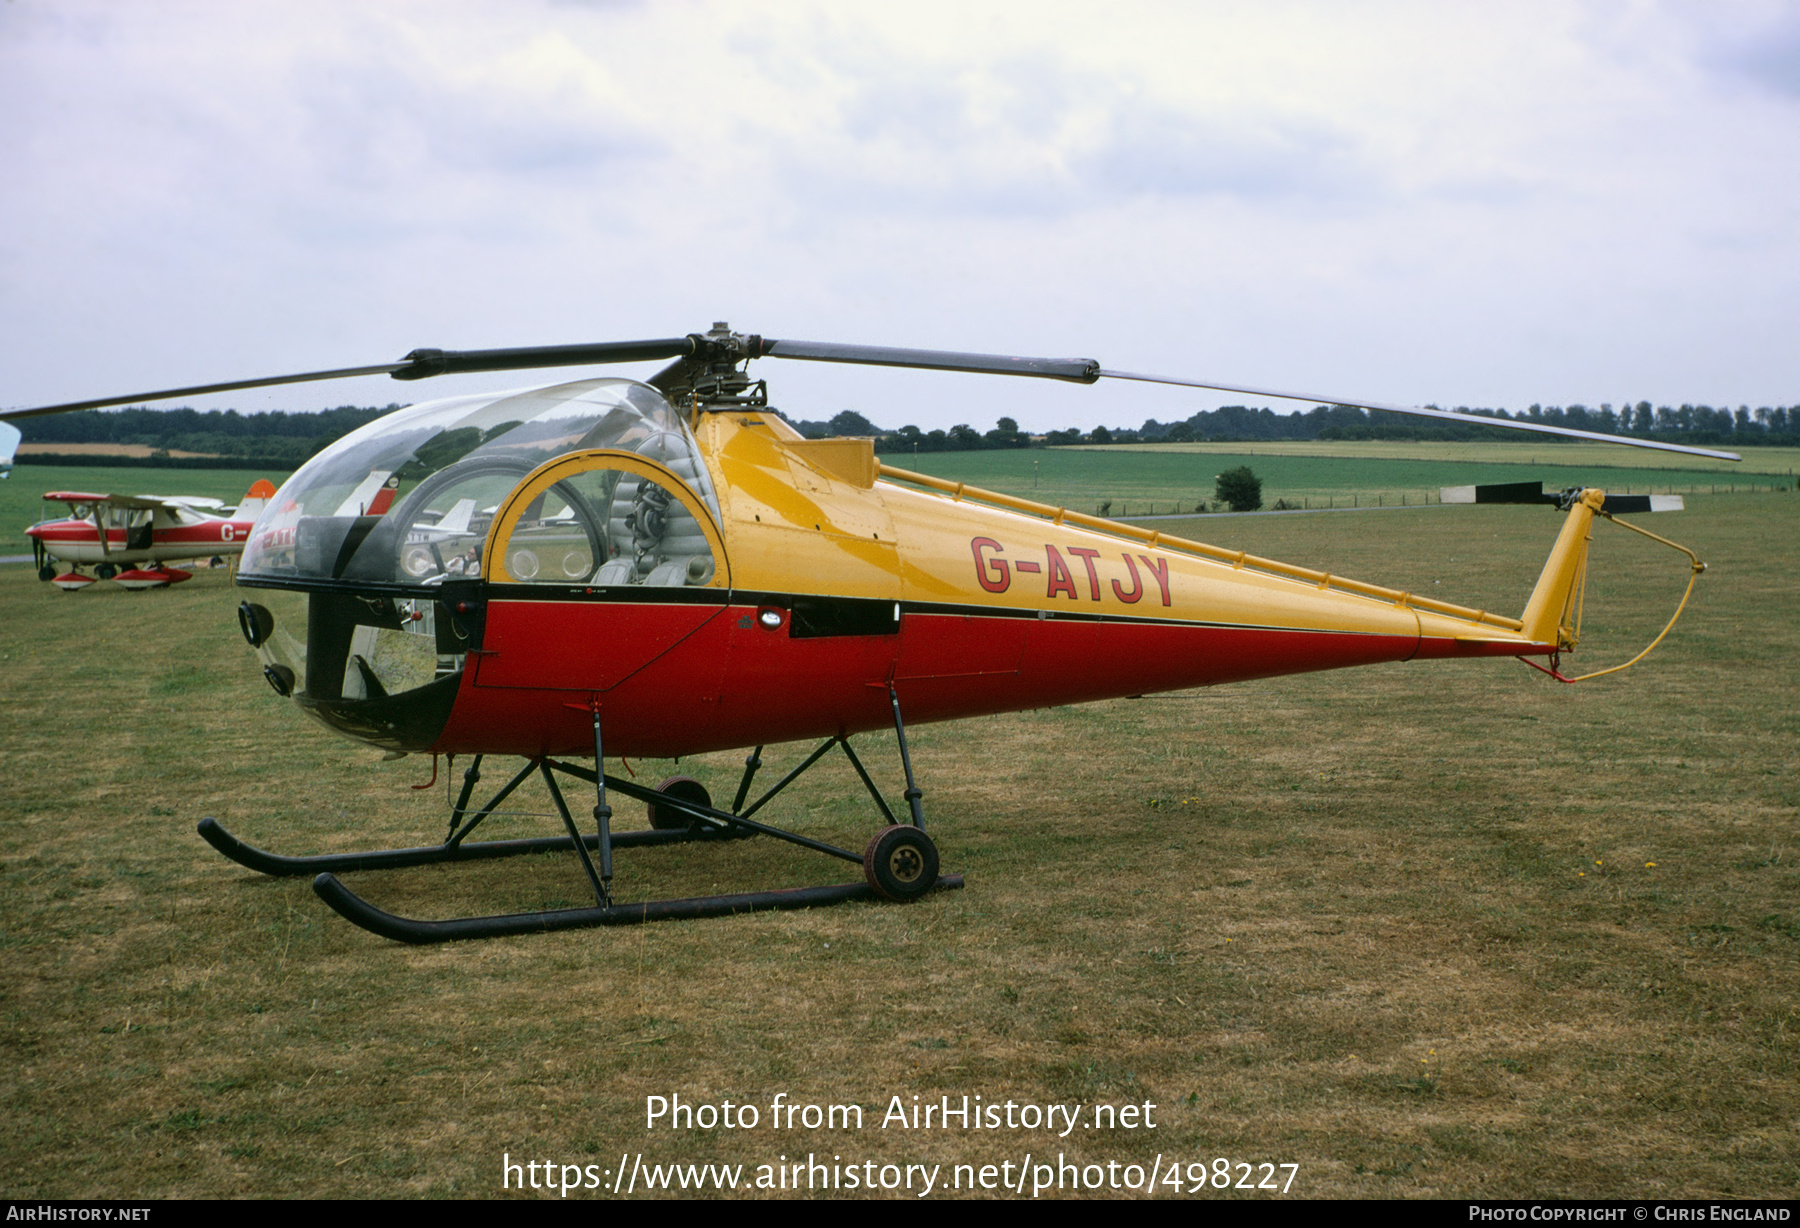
x: 721, y: 347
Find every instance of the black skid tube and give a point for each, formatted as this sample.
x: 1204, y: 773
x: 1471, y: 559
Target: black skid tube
x: 358, y: 911
x: 280, y: 865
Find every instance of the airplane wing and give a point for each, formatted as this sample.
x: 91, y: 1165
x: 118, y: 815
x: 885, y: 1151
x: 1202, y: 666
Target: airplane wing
x: 9, y: 446
x: 194, y: 503
x: 455, y: 523
x: 134, y: 502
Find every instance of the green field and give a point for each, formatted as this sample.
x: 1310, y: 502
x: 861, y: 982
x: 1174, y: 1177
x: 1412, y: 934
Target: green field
x: 22, y: 495
x: 1151, y: 479
x: 1423, y: 930
x: 1138, y: 479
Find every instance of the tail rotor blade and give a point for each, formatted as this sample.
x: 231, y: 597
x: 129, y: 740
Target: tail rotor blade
x: 1534, y: 492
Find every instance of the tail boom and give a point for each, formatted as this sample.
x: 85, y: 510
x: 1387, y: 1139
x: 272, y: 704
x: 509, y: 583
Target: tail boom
x: 1547, y: 618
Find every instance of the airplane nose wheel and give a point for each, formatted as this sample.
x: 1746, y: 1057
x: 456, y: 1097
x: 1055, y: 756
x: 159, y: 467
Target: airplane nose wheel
x: 901, y: 862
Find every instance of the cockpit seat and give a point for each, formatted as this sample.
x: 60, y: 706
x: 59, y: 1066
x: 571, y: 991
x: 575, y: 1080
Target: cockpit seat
x: 652, y: 538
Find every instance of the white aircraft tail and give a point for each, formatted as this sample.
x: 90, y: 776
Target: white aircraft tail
x: 255, y: 499
x: 363, y: 497
x: 456, y: 520
x: 9, y: 447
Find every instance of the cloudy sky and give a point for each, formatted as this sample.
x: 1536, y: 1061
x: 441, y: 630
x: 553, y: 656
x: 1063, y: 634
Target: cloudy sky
x: 1459, y: 203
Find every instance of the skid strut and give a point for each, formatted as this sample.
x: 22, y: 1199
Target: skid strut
x: 900, y: 863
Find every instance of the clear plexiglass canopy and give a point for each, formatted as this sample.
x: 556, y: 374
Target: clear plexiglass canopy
x: 447, y: 466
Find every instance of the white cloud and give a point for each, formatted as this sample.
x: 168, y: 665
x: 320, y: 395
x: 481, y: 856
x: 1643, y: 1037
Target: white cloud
x: 1492, y: 205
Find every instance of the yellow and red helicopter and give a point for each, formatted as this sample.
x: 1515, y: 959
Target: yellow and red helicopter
x: 665, y: 568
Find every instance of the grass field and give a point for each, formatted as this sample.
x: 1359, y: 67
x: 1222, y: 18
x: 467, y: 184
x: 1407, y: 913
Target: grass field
x: 1146, y: 479
x: 1422, y: 930
x: 1137, y: 479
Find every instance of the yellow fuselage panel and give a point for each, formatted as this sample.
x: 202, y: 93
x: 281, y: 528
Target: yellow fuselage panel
x: 792, y: 526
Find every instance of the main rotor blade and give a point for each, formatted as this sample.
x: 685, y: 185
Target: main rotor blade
x: 201, y: 390
x: 420, y: 364
x: 1087, y: 371
x: 1075, y: 370
x: 424, y: 363
x: 1512, y: 424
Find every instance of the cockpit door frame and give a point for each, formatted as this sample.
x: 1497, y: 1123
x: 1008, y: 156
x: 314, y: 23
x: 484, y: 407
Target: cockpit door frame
x: 589, y: 636
x: 541, y: 479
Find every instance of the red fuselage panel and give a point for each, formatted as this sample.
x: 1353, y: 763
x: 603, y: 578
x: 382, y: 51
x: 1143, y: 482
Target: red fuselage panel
x: 579, y: 645
x: 718, y: 679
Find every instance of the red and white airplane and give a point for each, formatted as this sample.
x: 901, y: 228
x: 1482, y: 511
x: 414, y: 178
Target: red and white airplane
x: 131, y: 538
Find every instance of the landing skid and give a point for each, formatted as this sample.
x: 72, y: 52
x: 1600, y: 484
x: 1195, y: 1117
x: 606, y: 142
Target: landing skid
x: 278, y: 865
x: 359, y: 911
x: 900, y: 862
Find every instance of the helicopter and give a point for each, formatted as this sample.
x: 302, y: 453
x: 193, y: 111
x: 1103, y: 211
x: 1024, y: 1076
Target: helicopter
x: 665, y: 567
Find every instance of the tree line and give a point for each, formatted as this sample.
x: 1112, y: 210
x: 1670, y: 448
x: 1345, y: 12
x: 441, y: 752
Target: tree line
x: 275, y: 440
x: 1691, y: 424
x: 285, y: 440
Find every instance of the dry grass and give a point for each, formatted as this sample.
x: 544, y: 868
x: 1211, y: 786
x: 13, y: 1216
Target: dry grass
x: 1399, y: 926
x: 101, y: 449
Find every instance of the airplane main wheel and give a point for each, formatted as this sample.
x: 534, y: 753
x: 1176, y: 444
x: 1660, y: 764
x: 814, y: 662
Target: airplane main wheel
x: 666, y: 818
x: 901, y: 862
x: 106, y: 571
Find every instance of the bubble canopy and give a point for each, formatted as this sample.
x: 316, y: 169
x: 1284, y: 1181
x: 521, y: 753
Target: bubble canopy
x: 445, y: 467
x: 380, y: 542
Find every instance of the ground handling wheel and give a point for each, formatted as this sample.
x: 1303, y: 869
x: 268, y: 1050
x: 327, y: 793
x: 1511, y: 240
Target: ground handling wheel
x: 901, y: 862
x: 665, y: 818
